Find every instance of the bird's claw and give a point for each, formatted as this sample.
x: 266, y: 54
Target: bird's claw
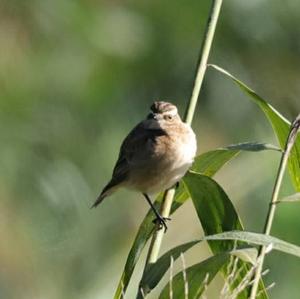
x: 161, y: 222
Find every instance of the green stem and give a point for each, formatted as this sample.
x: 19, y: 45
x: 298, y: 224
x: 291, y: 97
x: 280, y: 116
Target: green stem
x: 203, y: 58
x: 157, y: 238
x: 274, y: 201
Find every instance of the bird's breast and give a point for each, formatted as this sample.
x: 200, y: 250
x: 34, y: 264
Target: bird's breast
x: 170, y: 157
x: 182, y: 146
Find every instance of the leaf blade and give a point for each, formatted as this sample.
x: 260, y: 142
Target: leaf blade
x: 212, y: 161
x: 196, y: 275
x: 216, y: 214
x: 156, y: 271
x: 279, y: 123
x: 258, y: 239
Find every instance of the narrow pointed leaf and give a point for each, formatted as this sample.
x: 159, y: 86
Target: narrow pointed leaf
x: 211, y: 162
x: 216, y: 214
x: 258, y: 239
x: 280, y: 125
x: 196, y: 276
x: 215, y: 210
x: 155, y: 272
x: 253, y: 147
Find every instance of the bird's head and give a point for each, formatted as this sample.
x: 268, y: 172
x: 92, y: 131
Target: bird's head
x: 164, y: 113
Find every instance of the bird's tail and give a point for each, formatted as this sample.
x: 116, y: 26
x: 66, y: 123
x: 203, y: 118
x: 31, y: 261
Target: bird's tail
x: 108, y: 190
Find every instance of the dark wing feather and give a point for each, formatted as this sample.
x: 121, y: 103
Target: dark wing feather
x: 120, y: 173
x: 130, y: 149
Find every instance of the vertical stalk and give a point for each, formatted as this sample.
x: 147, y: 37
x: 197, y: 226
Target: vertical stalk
x: 203, y: 58
x: 274, y: 200
x: 200, y: 72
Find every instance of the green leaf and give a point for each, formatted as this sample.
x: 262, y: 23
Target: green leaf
x: 195, y: 277
x: 215, y: 210
x: 208, y: 163
x: 258, y: 239
x: 155, y: 272
x: 280, y: 125
x: 197, y: 273
x: 216, y: 214
x: 291, y: 198
x: 253, y: 147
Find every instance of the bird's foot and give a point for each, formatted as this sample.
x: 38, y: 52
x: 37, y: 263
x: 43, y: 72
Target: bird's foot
x: 161, y: 222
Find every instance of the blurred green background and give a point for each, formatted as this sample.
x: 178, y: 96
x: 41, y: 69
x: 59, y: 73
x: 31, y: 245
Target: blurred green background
x: 75, y: 77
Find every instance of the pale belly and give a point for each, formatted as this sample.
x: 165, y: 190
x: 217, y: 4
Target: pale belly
x: 157, y: 176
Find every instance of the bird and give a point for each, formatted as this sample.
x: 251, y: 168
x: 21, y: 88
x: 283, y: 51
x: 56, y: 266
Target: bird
x: 154, y: 156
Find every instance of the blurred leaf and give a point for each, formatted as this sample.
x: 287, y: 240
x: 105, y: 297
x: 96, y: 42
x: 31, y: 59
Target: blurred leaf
x: 280, y: 125
x: 258, y: 239
x: 291, y: 198
x: 216, y: 214
x: 208, y: 163
x: 196, y: 276
x: 253, y: 147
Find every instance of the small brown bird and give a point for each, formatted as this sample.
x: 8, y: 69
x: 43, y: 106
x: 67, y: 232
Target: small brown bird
x: 154, y: 156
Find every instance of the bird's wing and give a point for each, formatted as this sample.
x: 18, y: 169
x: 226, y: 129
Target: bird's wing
x: 120, y: 173
x: 134, y: 149
x: 138, y: 145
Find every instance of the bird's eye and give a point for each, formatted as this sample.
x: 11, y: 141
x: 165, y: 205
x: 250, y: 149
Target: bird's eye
x: 168, y: 117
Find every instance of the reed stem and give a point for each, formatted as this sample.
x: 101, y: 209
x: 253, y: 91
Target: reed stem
x: 157, y: 237
x: 274, y: 201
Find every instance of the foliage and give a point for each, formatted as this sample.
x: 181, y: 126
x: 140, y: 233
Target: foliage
x: 75, y: 76
x: 216, y: 214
